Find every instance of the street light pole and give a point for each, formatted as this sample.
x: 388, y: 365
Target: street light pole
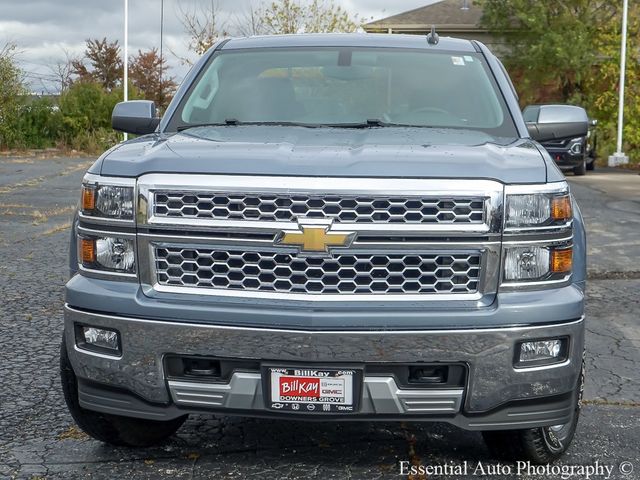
x: 619, y: 157
x: 126, y: 55
x: 161, y: 52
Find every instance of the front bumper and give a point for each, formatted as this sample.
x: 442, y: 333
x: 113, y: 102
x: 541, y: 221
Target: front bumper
x: 496, y: 395
x: 564, y: 158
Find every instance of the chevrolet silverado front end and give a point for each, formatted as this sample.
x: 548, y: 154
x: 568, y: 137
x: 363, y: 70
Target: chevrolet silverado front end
x: 255, y: 256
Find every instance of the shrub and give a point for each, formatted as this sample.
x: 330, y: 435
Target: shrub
x: 39, y: 124
x: 85, y: 110
x: 11, y: 93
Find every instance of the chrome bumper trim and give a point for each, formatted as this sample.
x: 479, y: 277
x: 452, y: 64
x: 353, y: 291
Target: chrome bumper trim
x: 387, y: 398
x: 242, y: 391
x: 381, y: 395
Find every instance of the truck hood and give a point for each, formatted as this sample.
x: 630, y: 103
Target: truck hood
x: 327, y: 152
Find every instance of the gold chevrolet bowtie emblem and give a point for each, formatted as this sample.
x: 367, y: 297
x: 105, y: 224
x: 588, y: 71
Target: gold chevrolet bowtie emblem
x: 315, y: 238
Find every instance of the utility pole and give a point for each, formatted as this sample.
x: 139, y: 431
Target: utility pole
x: 126, y: 55
x: 161, y: 44
x: 619, y: 158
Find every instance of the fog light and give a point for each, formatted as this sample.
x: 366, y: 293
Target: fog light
x: 98, y: 339
x: 541, y: 352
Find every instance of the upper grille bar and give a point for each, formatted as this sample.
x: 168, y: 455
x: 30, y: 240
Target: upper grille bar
x: 340, y: 208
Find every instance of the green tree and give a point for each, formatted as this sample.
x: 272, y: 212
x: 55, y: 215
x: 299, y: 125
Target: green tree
x: 600, y: 90
x: 549, y: 42
x: 569, y: 51
x: 12, y: 92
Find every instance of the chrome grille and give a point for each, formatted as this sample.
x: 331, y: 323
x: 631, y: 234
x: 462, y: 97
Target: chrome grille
x: 345, y: 209
x: 341, y: 274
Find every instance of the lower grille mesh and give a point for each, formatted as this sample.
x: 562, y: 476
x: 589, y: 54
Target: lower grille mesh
x: 341, y: 274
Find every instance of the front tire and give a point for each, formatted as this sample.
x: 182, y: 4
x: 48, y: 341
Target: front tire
x: 538, y: 445
x: 112, y: 429
x: 580, y: 169
x: 591, y: 166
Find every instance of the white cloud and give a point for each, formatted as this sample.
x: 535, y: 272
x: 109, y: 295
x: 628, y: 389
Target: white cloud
x: 44, y: 29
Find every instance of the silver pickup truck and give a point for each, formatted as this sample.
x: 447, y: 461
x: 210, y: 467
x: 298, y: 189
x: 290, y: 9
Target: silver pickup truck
x: 333, y: 228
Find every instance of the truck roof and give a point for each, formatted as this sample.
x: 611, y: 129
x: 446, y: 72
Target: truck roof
x: 349, y: 40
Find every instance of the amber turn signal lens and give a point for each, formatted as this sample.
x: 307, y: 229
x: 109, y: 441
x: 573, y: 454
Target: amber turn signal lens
x: 88, y: 198
x: 561, y: 260
x: 88, y: 250
x: 561, y: 208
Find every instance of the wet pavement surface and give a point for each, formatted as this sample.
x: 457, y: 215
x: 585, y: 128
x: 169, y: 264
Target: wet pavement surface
x: 38, y: 438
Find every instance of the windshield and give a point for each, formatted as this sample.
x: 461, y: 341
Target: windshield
x: 346, y: 87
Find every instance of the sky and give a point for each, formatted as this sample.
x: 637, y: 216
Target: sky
x: 46, y: 30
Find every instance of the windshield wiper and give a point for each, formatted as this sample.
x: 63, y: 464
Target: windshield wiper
x: 233, y: 122
x: 210, y: 124
x: 369, y: 123
x: 372, y: 123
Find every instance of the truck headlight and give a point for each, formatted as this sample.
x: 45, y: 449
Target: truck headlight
x: 107, y: 201
x: 526, y: 263
x: 537, y: 210
x: 576, y: 146
x: 537, y: 263
x: 537, y: 249
x: 112, y: 254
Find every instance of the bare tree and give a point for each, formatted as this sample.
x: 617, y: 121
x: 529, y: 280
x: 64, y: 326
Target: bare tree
x: 325, y: 16
x: 203, y: 26
x: 311, y: 16
x: 285, y: 16
x: 9, y: 50
x: 250, y: 22
x: 62, y: 70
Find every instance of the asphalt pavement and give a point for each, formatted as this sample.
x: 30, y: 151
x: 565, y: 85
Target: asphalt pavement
x: 38, y: 438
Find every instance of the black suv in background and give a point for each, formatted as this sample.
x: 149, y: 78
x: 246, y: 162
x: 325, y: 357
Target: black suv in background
x: 570, y: 152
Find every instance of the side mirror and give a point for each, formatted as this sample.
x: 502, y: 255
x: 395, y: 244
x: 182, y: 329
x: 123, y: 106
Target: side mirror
x: 556, y: 122
x: 136, y: 116
x: 593, y: 122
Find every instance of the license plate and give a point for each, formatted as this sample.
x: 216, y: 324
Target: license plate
x: 310, y: 390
